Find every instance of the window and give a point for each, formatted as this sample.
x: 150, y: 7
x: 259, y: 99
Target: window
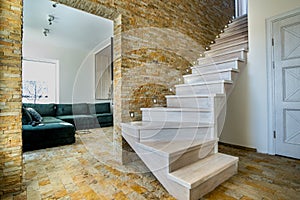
x: 39, y: 81
x: 241, y: 7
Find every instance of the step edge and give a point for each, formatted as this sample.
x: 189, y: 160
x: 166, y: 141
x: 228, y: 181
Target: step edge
x: 205, y: 178
x: 213, y: 72
x: 146, y: 146
x: 242, y: 50
x: 197, y: 96
x: 206, y: 83
x: 228, y: 46
x: 165, y: 125
x: 168, y: 109
x: 218, y: 63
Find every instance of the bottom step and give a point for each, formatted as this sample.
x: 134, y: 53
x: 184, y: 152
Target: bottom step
x: 205, y: 175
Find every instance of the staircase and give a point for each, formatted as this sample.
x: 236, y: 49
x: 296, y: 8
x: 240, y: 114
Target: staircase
x: 179, y: 143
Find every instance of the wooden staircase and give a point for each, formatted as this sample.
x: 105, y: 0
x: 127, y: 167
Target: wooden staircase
x: 179, y: 143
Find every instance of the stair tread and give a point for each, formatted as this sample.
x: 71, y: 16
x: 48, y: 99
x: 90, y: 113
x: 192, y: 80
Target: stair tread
x: 152, y: 125
x: 237, y: 23
x: 221, y: 41
x: 167, y: 109
x: 213, y: 72
x: 222, y: 48
x: 223, y: 53
x: 196, y: 173
x: 205, y: 83
x: 173, y: 148
x: 196, y: 95
x: 218, y: 62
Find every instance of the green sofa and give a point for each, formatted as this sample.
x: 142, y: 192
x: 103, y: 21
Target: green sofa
x: 59, y: 122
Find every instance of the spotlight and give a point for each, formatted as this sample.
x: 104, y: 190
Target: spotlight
x: 131, y: 113
x: 46, y: 32
x: 50, y: 19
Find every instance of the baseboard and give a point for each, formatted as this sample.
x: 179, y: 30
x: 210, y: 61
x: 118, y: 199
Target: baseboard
x: 238, y: 147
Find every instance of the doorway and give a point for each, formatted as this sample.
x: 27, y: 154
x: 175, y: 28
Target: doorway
x: 284, y: 74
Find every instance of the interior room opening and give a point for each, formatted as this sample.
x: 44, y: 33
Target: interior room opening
x: 70, y: 38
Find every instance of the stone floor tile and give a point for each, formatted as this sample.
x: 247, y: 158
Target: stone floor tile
x: 86, y: 170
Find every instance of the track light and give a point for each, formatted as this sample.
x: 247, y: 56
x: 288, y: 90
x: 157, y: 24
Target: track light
x: 50, y: 19
x: 46, y: 32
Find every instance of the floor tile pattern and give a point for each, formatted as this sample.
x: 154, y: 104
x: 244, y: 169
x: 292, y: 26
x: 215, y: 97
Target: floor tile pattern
x: 86, y: 170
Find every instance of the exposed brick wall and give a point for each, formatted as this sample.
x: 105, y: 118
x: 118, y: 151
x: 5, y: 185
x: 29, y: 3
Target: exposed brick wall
x: 155, y: 42
x: 10, y: 96
x: 159, y: 41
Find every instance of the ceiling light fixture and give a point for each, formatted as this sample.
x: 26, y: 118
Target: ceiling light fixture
x: 46, y: 32
x: 50, y: 19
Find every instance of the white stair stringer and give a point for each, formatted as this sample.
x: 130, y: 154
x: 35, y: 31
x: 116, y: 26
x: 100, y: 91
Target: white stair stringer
x: 179, y: 143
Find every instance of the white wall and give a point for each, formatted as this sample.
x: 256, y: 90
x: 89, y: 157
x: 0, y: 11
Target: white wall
x: 247, y: 109
x: 69, y: 62
x: 84, y: 85
x: 76, y: 69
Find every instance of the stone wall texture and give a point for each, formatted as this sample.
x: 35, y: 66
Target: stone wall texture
x: 155, y: 43
x: 10, y: 96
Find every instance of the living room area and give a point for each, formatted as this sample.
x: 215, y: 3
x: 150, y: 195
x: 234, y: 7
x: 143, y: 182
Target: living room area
x: 67, y: 76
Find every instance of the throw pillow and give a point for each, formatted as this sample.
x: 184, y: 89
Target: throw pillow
x: 26, y: 117
x: 35, y: 115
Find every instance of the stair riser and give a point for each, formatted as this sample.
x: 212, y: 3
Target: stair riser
x: 196, y: 102
x: 233, y: 35
x: 241, y: 55
x: 235, y: 28
x: 183, y: 134
x: 227, y: 49
x: 159, y: 167
x: 228, y: 65
x: 190, y: 102
x: 183, y: 116
x: 238, y: 23
x: 210, y: 77
x: 178, y: 161
x: 243, y: 30
x: 204, y: 89
x: 224, y: 43
x: 208, y: 186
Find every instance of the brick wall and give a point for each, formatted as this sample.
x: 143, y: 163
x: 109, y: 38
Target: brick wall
x: 155, y: 42
x: 10, y: 96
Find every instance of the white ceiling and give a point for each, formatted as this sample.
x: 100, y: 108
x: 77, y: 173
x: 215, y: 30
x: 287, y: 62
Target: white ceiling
x: 71, y: 28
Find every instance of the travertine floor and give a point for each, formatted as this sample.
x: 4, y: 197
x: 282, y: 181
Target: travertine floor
x: 87, y: 170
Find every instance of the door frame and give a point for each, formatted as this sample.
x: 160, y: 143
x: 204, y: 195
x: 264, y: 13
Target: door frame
x: 271, y: 77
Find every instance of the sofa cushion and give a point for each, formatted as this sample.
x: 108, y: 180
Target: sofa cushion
x: 42, y: 109
x: 80, y: 109
x: 26, y: 117
x: 47, y: 135
x: 34, y: 115
x: 104, y: 118
x: 63, y: 109
x: 79, y: 121
x: 72, y: 109
x: 48, y: 120
x: 99, y: 108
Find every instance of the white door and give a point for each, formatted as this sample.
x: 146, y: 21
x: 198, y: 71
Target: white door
x: 287, y: 85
